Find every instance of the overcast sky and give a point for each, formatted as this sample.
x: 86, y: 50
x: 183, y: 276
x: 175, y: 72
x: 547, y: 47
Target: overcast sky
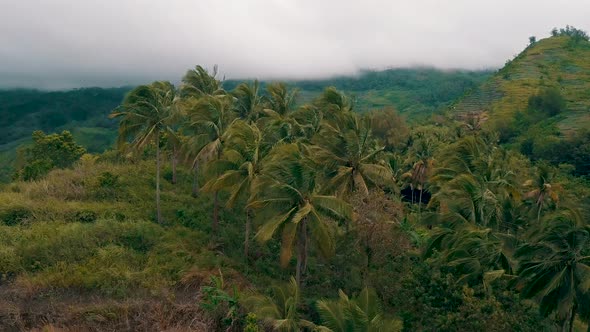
x: 56, y: 44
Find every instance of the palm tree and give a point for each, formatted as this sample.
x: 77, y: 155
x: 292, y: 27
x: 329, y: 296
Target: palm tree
x: 288, y: 200
x: 474, y: 181
x: 554, y: 267
x: 280, y: 309
x: 248, y: 101
x: 208, y: 118
x: 349, y: 156
x: 418, y: 176
x: 477, y: 253
x: 197, y: 83
x: 333, y: 101
x: 146, y: 113
x: 172, y: 142
x: 240, y: 167
x: 281, y: 99
x: 363, y: 314
x: 542, y: 191
x: 277, y: 117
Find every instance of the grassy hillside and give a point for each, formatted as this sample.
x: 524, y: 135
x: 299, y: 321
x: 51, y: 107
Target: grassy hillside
x: 552, y: 62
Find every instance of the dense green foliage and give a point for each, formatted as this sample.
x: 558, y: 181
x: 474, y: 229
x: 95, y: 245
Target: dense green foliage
x: 46, y: 153
x: 278, y: 213
x: 415, y: 92
x: 82, y: 112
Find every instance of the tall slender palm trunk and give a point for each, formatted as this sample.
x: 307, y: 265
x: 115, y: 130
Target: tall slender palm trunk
x: 195, y: 190
x: 247, y: 236
x: 158, y: 210
x: 215, y: 225
x: 420, y: 204
x: 573, y: 318
x: 174, y: 162
x: 301, y: 251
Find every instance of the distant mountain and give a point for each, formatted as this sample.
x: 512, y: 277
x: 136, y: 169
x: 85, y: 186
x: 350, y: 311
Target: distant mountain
x: 415, y: 92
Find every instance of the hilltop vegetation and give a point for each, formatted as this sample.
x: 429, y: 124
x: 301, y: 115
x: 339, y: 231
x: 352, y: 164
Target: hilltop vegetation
x: 540, y: 101
x: 416, y: 93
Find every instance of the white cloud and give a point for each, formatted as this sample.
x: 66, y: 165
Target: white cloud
x: 72, y: 43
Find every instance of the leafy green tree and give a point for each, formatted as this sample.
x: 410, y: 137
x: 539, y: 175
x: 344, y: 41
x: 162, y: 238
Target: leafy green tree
x: 362, y: 313
x: 548, y: 100
x: 532, y: 40
x: 146, y: 113
x: 46, y: 153
x: 388, y: 126
x: 289, y: 200
x: 554, y: 266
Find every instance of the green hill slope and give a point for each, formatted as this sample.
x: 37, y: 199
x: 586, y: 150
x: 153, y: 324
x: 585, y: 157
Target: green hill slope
x: 554, y: 62
x: 82, y: 111
x: 414, y: 92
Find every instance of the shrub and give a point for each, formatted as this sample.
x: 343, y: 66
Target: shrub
x: 547, y: 100
x: 15, y: 215
x: 9, y: 262
x: 85, y: 216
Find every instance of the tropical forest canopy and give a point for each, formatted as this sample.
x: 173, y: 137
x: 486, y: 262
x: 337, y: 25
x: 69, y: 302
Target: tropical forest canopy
x: 310, y: 206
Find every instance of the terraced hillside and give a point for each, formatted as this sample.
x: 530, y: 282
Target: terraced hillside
x: 553, y: 62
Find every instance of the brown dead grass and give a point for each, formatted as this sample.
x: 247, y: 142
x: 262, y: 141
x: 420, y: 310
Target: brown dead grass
x: 70, y: 311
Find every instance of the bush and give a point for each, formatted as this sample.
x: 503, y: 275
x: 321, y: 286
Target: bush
x: 9, y: 262
x: 548, y: 100
x: 108, y: 186
x: 15, y: 215
x: 85, y: 216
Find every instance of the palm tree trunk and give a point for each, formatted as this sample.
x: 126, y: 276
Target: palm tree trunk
x: 195, y: 192
x: 158, y: 210
x: 247, y: 236
x: 420, y: 204
x: 572, y: 318
x: 215, y: 212
x: 174, y: 161
x: 301, y: 251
